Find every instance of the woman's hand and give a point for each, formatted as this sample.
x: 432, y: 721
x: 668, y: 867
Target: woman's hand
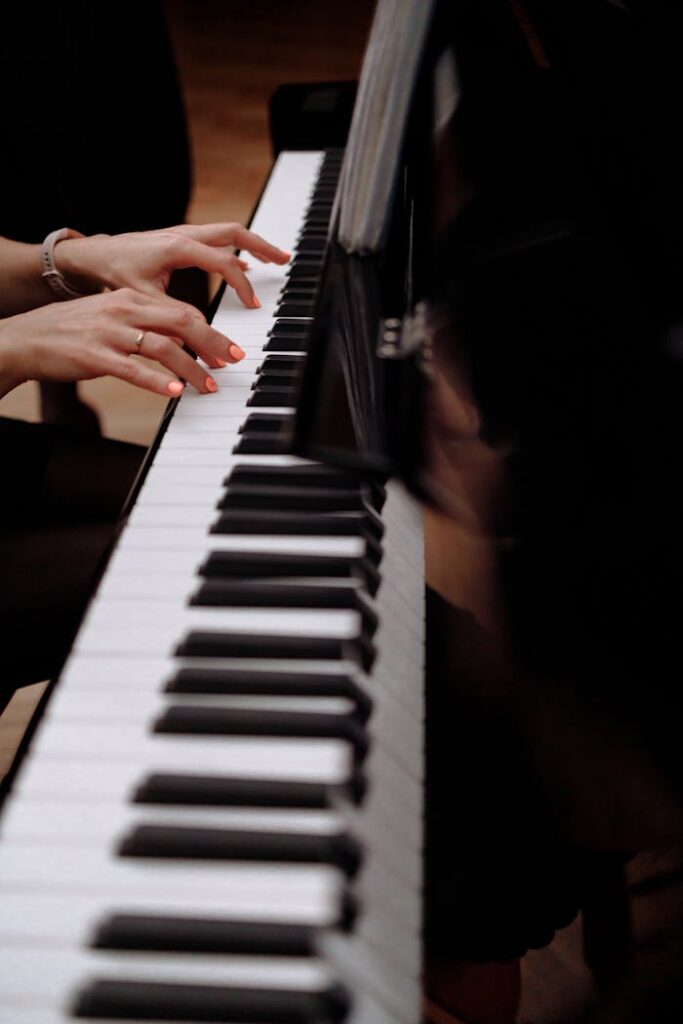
x: 97, y: 335
x: 144, y: 260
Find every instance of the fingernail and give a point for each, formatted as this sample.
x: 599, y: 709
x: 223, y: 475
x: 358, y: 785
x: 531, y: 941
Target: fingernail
x: 236, y: 352
x: 210, y: 384
x: 256, y: 303
x: 220, y: 362
x: 175, y: 388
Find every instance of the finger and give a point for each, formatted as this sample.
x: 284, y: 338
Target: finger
x: 170, y: 354
x: 135, y: 372
x: 240, y: 237
x: 180, y: 323
x: 190, y: 253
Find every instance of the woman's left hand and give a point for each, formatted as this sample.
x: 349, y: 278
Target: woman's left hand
x: 144, y: 260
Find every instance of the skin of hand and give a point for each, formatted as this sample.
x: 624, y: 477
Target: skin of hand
x: 144, y: 260
x: 96, y: 336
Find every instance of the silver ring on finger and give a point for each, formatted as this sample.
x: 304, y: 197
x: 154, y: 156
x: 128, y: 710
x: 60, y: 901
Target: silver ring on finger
x: 139, y: 338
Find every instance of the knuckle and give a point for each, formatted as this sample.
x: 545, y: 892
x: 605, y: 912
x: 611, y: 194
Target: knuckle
x: 183, y: 317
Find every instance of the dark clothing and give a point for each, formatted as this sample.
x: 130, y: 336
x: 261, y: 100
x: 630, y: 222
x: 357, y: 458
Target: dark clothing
x: 92, y: 120
x: 62, y: 493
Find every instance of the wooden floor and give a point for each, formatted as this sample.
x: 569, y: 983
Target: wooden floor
x: 231, y: 56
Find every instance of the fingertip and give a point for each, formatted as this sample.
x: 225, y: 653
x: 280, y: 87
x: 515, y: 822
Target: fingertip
x: 210, y: 385
x: 236, y: 352
x: 175, y: 388
x: 256, y: 303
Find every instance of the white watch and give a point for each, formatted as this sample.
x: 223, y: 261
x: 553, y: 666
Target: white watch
x: 50, y: 274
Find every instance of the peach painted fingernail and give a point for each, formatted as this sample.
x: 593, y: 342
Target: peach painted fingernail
x: 236, y: 352
x: 256, y: 303
x: 175, y: 388
x: 210, y: 384
x: 220, y: 362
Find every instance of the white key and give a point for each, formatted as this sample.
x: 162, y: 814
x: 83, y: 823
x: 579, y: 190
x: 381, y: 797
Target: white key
x: 48, y: 976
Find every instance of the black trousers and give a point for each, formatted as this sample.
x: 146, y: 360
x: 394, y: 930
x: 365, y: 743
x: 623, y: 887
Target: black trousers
x: 60, y: 496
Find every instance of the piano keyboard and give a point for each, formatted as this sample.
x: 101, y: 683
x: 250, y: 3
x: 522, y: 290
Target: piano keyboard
x: 219, y: 817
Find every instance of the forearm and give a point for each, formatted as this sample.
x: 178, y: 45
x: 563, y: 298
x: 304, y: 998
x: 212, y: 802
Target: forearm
x: 21, y: 286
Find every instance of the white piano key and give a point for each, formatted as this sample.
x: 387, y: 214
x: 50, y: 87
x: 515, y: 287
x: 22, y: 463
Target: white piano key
x: 37, y: 868
x: 195, y: 538
x: 48, y: 976
x: 77, y: 778
x: 259, y: 758
x: 173, y: 622
x: 66, y: 821
x: 145, y: 703
x: 28, y: 918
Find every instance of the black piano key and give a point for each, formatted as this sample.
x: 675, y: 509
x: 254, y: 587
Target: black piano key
x: 218, y: 593
x: 304, y: 277
x: 311, y: 244
x: 180, y: 842
x: 214, y: 644
x: 315, y: 473
x: 301, y: 524
x: 294, y: 307
x: 140, y: 1000
x: 259, y: 442
x: 268, y: 422
x: 260, y: 565
x: 278, y: 361
x: 276, y: 378
x: 315, y: 499
x: 218, y: 791
x: 155, y: 932
x: 286, y: 343
x: 290, y: 327
x: 297, y: 293
x: 269, y: 683
x: 185, y: 720
x: 279, y: 374
x: 273, y: 397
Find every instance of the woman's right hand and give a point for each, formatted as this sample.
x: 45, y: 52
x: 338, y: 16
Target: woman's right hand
x: 97, y: 335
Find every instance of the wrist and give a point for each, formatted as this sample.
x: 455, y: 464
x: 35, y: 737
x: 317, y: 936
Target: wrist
x: 12, y: 371
x: 72, y: 258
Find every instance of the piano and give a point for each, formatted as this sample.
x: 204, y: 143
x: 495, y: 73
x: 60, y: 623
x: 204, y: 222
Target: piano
x: 218, y: 817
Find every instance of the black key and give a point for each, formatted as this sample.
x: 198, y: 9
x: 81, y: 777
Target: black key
x: 273, y: 397
x: 283, y: 362
x: 341, y: 850
x: 286, y: 343
x: 314, y: 499
x: 212, y: 721
x: 219, y: 791
x: 269, y: 683
x: 314, y: 474
x: 145, y: 1000
x: 259, y: 594
x: 279, y: 375
x: 259, y: 442
x: 323, y: 524
x: 204, y: 935
x: 303, y: 278
x: 311, y: 244
x: 276, y: 379
x: 214, y: 644
x: 290, y: 327
x: 260, y: 565
x: 293, y: 307
x: 267, y: 422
